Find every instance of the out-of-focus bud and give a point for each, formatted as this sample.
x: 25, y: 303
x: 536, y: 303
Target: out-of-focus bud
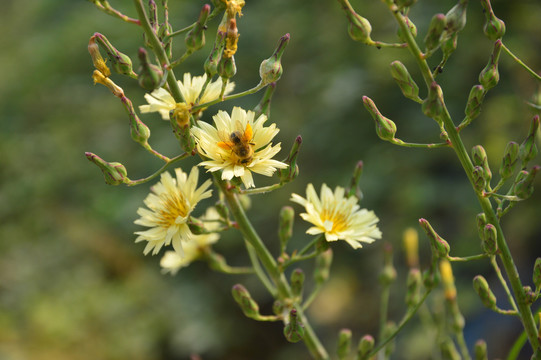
x: 121, y: 63
x: 480, y: 350
x: 385, y: 128
x: 297, y: 282
x: 440, y: 247
x: 294, y: 330
x: 197, y: 227
x: 414, y: 287
x: 483, y: 290
x: 227, y: 68
x: 435, y: 29
x: 410, y: 240
x: 433, y: 104
x: 195, y: 38
x: 138, y: 130
x: 99, y: 78
x: 150, y: 75
x: 448, y: 279
x: 292, y: 171
x: 388, y: 330
x: 479, y: 158
x: 405, y: 81
x: 449, y: 350
x: 359, y: 28
x: 523, y: 187
x: 211, y: 64
x: 448, y: 46
x: 490, y: 76
x: 490, y: 239
x: 481, y: 223
x: 344, y: 344
x: 431, y: 277
x: 479, y: 180
x: 231, y: 39
x: 278, y: 308
x: 323, y: 266
x: 366, y: 344
x: 222, y: 210
x: 353, y: 189
x: 528, y: 149
x: 270, y: 69
x: 180, y: 123
x: 494, y: 28
x: 536, y: 277
x: 529, y: 295
x: 455, y: 19
x: 509, y: 160
x: 475, y: 100
x: 264, y: 104
x: 285, y: 226
x: 248, y: 306
x: 411, y: 28
x: 388, y: 273
x: 97, y: 59
x: 115, y: 173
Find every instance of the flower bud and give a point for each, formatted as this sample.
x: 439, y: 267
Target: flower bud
x: 490, y: 239
x: 483, y: 290
x: 297, y: 282
x: 410, y: 240
x: 292, y: 171
x: 196, y: 226
x: 529, y: 295
x: 479, y: 180
x: 121, y: 63
x: 344, y: 343
x: 150, y: 75
x: 431, y: 277
x: 509, y: 160
x: 528, y: 149
x: 385, y: 128
x: 353, y: 189
x: 480, y: 350
x: 323, y: 266
x: 211, y: 64
x: 285, y: 226
x: 270, y: 69
x: 388, y: 330
x: 489, y: 76
x: 405, y: 81
x: 523, y: 188
x: 294, y: 330
x: 264, y: 104
x: 448, y: 280
x: 481, y: 223
x: 433, y: 104
x: 195, y: 38
x: 278, y: 308
x: 448, y: 46
x: 411, y: 28
x: 440, y: 247
x: 114, y: 173
x: 536, y: 277
x: 494, y: 28
x: 248, y: 306
x: 366, y: 344
x: 222, y: 210
x: 413, y: 293
x: 227, y: 68
x: 455, y: 19
x: 435, y: 29
x: 479, y: 158
x: 359, y: 28
x: 388, y: 273
x: 475, y: 100
x: 138, y: 130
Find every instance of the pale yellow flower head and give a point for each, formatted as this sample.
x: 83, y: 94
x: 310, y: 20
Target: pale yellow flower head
x: 168, y: 207
x: 238, y: 145
x: 338, y: 217
x: 160, y: 100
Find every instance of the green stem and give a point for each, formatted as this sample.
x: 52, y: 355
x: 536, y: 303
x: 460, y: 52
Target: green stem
x: 162, y: 169
x: 383, y: 310
x: 106, y: 8
x: 259, y: 270
x: 312, y: 296
x: 180, y: 60
x: 467, y: 258
x: 521, y: 63
x: 415, y: 145
x: 261, y: 190
x: 498, y: 272
x: 230, y: 97
x: 460, y: 150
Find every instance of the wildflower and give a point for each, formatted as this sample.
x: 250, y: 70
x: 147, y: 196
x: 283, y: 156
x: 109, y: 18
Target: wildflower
x: 169, y: 206
x: 238, y: 145
x: 160, y: 100
x: 338, y: 217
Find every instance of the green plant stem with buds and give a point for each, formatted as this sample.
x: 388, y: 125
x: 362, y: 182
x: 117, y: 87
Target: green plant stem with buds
x: 162, y: 169
x: 524, y: 310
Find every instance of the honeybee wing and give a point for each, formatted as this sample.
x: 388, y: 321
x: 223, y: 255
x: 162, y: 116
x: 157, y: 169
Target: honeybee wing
x: 225, y: 143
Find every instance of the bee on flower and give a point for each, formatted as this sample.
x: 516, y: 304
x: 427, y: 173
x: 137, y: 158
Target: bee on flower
x: 160, y: 100
x: 169, y: 206
x: 338, y: 217
x: 238, y: 145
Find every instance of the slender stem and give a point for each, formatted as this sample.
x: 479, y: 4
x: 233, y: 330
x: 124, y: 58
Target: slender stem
x: 521, y: 63
x: 423, y: 146
x: 383, y: 309
x: 457, y: 144
x: 312, y: 296
x: 467, y: 258
x: 180, y: 60
x: 310, y: 244
x: 299, y: 258
x: 459, y: 333
x: 498, y: 272
x: 261, y: 190
x: 230, y: 97
x: 162, y: 169
x: 259, y: 270
x: 106, y: 8
x: 155, y: 153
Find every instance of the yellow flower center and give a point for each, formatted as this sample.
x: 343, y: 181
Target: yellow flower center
x: 174, y: 205
x: 337, y: 221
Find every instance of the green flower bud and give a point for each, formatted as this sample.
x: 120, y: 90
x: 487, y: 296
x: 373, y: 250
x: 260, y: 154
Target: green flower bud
x: 196, y: 226
x: 264, y: 104
x: 211, y: 64
x: 353, y: 189
x: 536, y: 277
x: 150, y: 75
x: 523, y: 187
x: 294, y: 330
x: 385, y: 128
x: 455, y: 19
x: 120, y: 62
x: 475, y: 100
x: 323, y: 266
x: 435, y: 29
x: 195, y: 38
x: 248, y: 306
x: 490, y: 239
x: 292, y: 171
x: 411, y: 28
x: 481, y: 223
x: 479, y: 180
x: 359, y: 28
x: 227, y: 68
x: 528, y: 148
x: 480, y: 350
x: 222, y: 210
x: 483, y: 290
x: 489, y: 76
x: 179, y: 118
x: 285, y: 226
x: 388, y: 273
x: 413, y: 293
x: 366, y: 344
x: 509, y: 160
x: 270, y: 69
x: 433, y: 104
x: 297, y: 282
x: 278, y: 308
x: 138, y: 130
x: 405, y: 81
x: 479, y: 158
x: 440, y: 247
x: 431, y: 277
x: 449, y: 350
x: 344, y: 343
x: 114, y: 173
x: 529, y: 295
x: 448, y: 46
x: 494, y: 28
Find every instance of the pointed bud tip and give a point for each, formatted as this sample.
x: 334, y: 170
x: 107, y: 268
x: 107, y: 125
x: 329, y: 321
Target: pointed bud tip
x: 206, y: 8
x: 298, y: 139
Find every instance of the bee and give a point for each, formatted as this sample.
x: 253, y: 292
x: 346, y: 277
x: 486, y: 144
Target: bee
x: 240, y: 143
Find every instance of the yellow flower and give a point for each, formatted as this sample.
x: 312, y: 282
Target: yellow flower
x: 160, y: 100
x: 338, y: 217
x: 169, y: 205
x: 238, y: 145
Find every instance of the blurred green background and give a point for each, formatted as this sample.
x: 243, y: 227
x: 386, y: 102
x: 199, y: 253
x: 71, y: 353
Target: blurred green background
x: 73, y: 285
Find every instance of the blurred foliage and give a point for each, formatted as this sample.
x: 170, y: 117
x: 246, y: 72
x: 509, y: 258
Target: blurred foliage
x: 74, y: 286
